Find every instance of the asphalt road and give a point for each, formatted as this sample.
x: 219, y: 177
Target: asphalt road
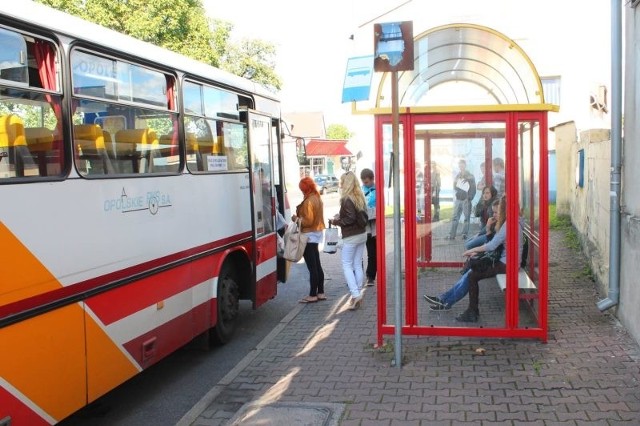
x: 162, y: 394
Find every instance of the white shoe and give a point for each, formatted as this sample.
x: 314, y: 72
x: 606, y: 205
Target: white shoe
x: 356, y: 303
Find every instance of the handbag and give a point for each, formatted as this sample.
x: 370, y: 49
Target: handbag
x: 331, y: 239
x: 294, y: 242
x: 482, y: 262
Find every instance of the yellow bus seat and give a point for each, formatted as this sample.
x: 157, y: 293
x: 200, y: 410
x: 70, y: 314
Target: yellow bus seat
x: 218, y: 146
x: 166, y: 145
x: 206, y: 145
x: 130, y: 140
x: 89, y: 138
x: 191, y: 142
x: 39, y: 139
x: 11, y: 131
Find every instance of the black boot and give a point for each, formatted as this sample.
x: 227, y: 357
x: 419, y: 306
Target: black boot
x: 468, y: 316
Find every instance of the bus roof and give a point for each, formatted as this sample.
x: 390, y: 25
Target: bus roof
x: 36, y: 14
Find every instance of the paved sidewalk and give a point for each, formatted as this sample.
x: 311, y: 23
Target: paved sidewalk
x: 322, y: 355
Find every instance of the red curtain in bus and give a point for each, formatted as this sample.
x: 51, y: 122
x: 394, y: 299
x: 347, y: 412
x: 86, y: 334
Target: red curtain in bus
x: 171, y: 104
x: 46, y: 60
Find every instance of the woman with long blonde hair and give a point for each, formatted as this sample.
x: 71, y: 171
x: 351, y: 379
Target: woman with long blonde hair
x: 354, y: 234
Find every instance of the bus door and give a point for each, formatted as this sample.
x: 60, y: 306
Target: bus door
x: 263, y: 201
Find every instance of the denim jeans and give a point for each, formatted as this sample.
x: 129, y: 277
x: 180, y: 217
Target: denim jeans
x: 352, y: 267
x: 457, y: 292
x: 475, y: 241
x: 468, y: 283
x: 460, y: 207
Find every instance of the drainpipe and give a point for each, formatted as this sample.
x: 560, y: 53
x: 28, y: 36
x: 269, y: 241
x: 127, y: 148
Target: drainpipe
x: 616, y: 158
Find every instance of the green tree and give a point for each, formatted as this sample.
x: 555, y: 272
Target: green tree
x: 338, y: 131
x: 181, y: 26
x: 254, y: 60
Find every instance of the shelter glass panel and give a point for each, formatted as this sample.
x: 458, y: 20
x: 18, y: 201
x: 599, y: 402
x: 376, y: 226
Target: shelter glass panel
x: 385, y: 190
x: 529, y: 203
x: 453, y: 168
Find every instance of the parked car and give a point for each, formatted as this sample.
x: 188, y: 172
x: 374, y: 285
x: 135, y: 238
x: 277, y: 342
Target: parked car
x: 326, y: 183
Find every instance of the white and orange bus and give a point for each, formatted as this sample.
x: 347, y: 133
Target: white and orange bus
x: 138, y: 191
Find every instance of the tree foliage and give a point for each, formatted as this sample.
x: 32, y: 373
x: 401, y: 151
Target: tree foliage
x: 254, y: 60
x: 181, y: 26
x: 338, y: 131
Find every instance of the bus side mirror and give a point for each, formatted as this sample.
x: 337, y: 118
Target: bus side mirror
x: 301, y: 152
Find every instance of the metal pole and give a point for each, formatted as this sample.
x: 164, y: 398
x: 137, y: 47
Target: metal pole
x: 397, y: 241
x: 616, y: 158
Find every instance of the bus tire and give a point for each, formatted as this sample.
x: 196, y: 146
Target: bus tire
x: 228, y: 304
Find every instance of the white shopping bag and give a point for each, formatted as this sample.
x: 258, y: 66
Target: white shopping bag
x: 331, y: 239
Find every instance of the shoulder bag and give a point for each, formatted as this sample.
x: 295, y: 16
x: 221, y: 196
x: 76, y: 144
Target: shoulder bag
x: 294, y: 242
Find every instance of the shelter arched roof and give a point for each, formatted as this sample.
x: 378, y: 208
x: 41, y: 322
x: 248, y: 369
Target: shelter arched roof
x: 496, y: 69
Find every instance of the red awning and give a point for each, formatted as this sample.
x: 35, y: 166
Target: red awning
x: 327, y: 148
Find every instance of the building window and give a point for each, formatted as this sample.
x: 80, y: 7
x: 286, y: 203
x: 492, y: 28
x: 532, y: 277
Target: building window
x: 551, y: 89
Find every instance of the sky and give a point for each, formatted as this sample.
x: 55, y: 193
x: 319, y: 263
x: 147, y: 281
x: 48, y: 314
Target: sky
x: 313, y: 41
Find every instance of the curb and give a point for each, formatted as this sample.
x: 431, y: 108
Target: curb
x: 195, y: 412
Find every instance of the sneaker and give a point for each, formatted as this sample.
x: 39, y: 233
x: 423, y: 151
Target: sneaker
x: 449, y: 237
x: 370, y: 282
x: 439, y: 307
x: 434, y: 300
x: 468, y: 316
x: 464, y: 236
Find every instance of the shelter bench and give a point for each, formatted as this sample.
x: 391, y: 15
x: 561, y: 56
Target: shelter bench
x: 524, y: 282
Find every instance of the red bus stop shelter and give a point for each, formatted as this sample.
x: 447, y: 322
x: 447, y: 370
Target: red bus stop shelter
x: 473, y: 95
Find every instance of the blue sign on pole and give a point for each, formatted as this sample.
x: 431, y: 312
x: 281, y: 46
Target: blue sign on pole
x: 357, y: 80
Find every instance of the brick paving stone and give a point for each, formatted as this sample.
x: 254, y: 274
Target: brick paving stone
x: 579, y: 415
x: 395, y: 422
x: 541, y: 416
x: 481, y: 416
x: 592, y: 423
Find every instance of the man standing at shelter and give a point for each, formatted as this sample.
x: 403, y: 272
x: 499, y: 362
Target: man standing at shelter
x: 464, y: 189
x: 369, y: 190
x: 498, y: 176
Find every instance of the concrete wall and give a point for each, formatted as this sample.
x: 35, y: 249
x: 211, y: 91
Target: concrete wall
x: 565, y: 139
x: 628, y: 311
x: 590, y: 205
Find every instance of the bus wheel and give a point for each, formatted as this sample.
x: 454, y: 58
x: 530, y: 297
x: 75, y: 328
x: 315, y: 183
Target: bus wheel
x: 228, y: 305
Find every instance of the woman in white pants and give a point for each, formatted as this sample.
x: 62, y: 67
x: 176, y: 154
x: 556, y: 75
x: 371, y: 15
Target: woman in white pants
x: 352, y: 219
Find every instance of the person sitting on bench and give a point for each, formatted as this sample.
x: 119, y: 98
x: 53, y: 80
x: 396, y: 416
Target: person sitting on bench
x: 468, y: 283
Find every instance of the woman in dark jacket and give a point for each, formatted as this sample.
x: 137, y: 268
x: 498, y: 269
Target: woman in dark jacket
x: 354, y: 235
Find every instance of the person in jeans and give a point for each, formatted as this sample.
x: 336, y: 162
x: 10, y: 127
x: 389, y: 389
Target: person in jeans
x: 436, y: 183
x: 311, y: 215
x: 354, y: 235
x: 369, y: 190
x: 464, y: 189
x: 468, y: 283
x: 498, y: 175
